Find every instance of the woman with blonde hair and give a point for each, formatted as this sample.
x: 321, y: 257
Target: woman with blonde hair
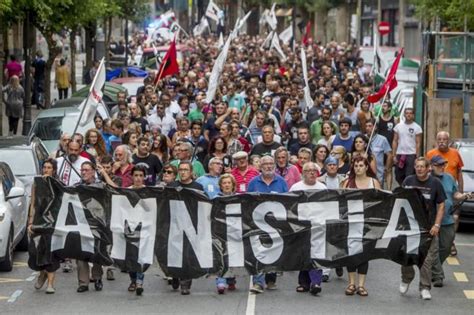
x: 15, y: 97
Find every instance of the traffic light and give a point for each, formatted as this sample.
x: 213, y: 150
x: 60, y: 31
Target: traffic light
x: 354, y: 26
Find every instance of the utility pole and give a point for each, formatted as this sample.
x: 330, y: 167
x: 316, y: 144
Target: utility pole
x: 26, y: 56
x: 293, y: 24
x: 126, y: 43
x: 401, y: 29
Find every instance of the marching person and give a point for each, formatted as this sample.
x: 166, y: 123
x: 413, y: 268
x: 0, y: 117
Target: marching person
x: 88, y: 173
x: 361, y: 176
x: 14, y: 101
x: 435, y: 198
x: 137, y: 278
x: 210, y: 181
x: 47, y: 272
x: 243, y: 172
x: 447, y: 229
x: 267, y: 182
x: 309, y: 280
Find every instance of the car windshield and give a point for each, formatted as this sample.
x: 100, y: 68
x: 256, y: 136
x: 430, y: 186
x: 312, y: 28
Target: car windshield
x: 467, y: 154
x: 48, y: 128
x: 21, y: 161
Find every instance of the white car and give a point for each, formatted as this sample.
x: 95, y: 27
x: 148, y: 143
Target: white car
x: 13, y: 216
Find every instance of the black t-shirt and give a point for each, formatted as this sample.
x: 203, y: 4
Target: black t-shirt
x: 432, y: 190
x: 292, y: 129
x: 40, y: 66
x: 297, y: 146
x: 143, y: 123
x: 153, y: 167
x: 385, y: 128
x: 193, y: 185
x: 211, y: 126
x: 262, y: 148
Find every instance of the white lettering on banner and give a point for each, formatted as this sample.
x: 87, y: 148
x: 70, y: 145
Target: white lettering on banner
x: 356, y: 226
x: 318, y: 213
x: 235, y: 246
x: 201, y: 241
x: 268, y: 254
x: 143, y: 213
x: 413, y: 235
x: 61, y: 230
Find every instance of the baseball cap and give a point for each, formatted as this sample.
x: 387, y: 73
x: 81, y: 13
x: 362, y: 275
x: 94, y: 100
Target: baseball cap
x: 240, y: 155
x: 438, y: 160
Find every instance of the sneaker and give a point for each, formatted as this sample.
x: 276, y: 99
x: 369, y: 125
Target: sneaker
x: 325, y: 278
x: 110, y: 274
x: 425, y: 294
x: 221, y: 288
x: 67, y: 266
x: 404, y: 288
x: 50, y: 290
x: 314, y: 289
x: 175, y: 283
x: 438, y: 283
x: 231, y: 287
x: 139, y: 289
x: 41, y: 280
x: 256, y: 288
x: 339, y: 272
x: 271, y: 286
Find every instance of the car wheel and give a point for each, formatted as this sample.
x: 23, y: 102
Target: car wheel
x: 7, y: 264
x: 23, y: 245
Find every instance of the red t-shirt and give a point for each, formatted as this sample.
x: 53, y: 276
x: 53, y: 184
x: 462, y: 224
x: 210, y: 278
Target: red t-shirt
x: 243, y: 180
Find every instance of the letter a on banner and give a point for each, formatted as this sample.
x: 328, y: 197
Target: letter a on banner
x: 61, y: 230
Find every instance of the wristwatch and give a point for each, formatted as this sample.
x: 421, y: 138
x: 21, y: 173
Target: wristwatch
x: 437, y: 225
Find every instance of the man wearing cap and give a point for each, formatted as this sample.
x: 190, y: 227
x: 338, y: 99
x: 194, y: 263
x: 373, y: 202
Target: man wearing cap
x: 243, y: 172
x: 435, y: 198
x: 453, y: 167
x: 344, y: 138
x: 267, y: 182
x: 447, y: 230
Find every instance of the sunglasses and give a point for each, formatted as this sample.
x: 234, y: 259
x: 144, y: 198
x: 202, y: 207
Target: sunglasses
x: 168, y: 172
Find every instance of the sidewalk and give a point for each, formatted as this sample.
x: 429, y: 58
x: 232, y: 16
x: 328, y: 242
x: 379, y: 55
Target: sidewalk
x: 80, y: 58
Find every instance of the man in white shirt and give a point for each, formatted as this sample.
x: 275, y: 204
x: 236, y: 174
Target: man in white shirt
x: 309, y: 280
x: 69, y: 165
x: 406, y: 146
x: 161, y: 120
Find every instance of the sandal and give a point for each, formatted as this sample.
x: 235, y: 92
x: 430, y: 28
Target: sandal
x: 454, y: 251
x: 301, y: 289
x: 351, y: 289
x: 132, y: 287
x: 362, y: 291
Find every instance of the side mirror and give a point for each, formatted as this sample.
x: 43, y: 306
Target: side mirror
x: 15, y: 192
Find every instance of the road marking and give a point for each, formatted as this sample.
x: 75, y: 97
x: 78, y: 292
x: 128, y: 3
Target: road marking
x: 469, y: 294
x: 251, y: 300
x: 453, y: 261
x: 32, y: 277
x: 14, y: 296
x: 9, y: 280
x: 20, y: 264
x: 465, y: 244
x: 4, y: 298
x: 460, y: 277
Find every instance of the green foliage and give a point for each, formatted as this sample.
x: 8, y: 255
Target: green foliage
x: 313, y: 5
x: 451, y: 12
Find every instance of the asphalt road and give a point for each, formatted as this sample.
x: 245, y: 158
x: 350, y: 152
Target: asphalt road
x: 17, y: 295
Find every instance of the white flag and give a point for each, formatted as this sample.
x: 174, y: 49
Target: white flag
x: 263, y: 17
x: 268, y: 41
x: 217, y: 70
x: 286, y: 35
x: 276, y: 45
x: 212, y: 10
x: 94, y: 98
x: 307, y: 93
x: 271, y: 18
x: 243, y: 20
x: 201, y: 27
x: 220, y: 43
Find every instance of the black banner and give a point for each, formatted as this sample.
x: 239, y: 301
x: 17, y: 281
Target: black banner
x: 192, y: 236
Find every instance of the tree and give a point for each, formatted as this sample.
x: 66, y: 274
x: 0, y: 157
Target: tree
x: 451, y: 12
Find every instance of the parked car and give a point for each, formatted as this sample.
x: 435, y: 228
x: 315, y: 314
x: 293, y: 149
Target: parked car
x: 25, y: 158
x: 131, y: 84
x: 110, y: 91
x: 466, y: 149
x: 51, y: 123
x: 75, y: 102
x: 13, y: 216
x: 367, y: 53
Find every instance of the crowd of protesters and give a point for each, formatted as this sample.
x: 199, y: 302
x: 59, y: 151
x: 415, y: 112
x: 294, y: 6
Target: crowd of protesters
x: 259, y: 134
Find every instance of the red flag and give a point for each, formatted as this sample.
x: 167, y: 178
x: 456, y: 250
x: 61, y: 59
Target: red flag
x: 307, y: 33
x: 390, y: 82
x: 169, y: 65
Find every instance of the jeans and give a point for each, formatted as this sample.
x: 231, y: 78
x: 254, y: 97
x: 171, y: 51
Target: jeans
x: 262, y: 278
x: 137, y: 277
x: 407, y: 169
x: 306, y: 278
x: 446, y: 238
x: 225, y: 281
x: 408, y: 272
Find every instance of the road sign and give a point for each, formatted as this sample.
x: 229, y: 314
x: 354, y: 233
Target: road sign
x: 383, y: 28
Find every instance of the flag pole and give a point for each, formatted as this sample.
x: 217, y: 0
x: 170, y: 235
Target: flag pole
x: 162, y: 68
x: 87, y: 99
x: 376, y: 121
